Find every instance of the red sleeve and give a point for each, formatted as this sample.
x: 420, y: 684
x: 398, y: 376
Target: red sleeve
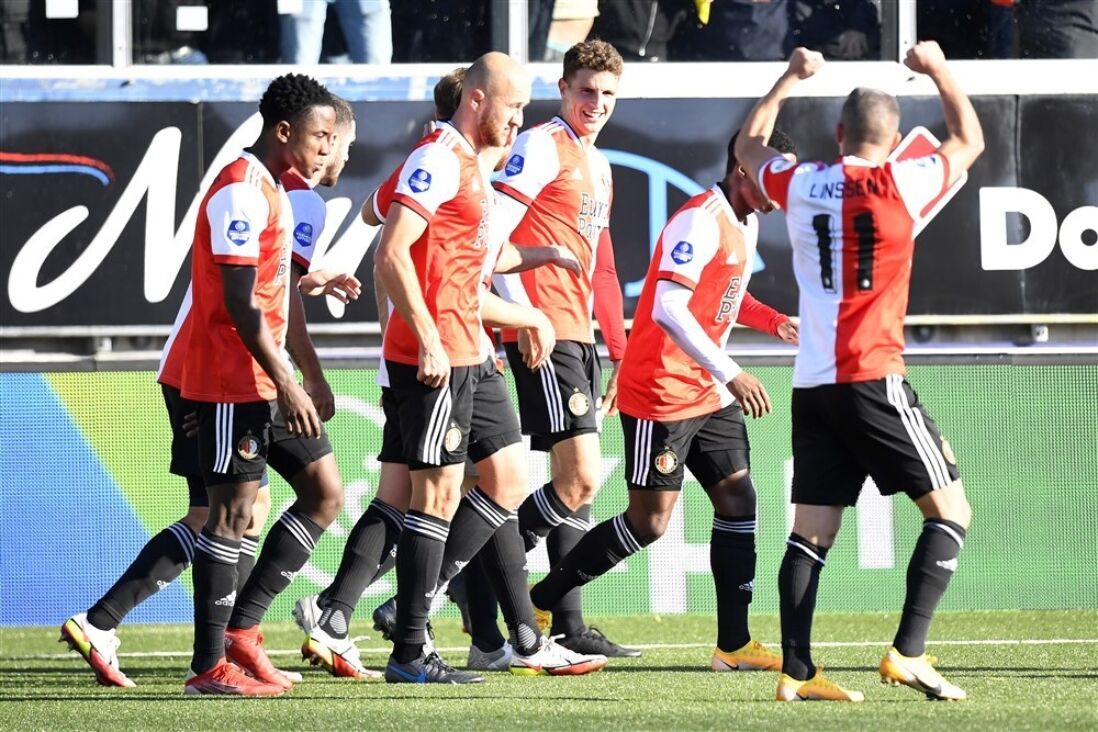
x: 759, y: 316
x: 608, y: 299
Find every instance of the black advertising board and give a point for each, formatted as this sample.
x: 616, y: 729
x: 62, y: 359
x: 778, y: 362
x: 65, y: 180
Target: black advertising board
x: 97, y: 201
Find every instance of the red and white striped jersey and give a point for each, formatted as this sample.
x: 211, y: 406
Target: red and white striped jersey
x: 310, y: 214
x: 443, y: 182
x: 851, y: 225
x: 567, y: 189
x: 705, y: 248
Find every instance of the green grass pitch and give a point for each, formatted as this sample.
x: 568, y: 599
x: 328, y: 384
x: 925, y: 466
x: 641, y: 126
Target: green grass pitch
x: 1044, y: 677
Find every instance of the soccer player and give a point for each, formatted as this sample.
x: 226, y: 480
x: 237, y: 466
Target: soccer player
x: 556, y: 188
x: 854, y: 414
x: 168, y: 553
x: 682, y: 402
x: 250, y: 409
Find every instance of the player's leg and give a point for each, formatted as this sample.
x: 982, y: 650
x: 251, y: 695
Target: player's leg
x: 309, y: 466
x: 906, y: 452
x: 489, y: 650
x: 719, y: 458
x: 826, y: 478
x: 249, y: 543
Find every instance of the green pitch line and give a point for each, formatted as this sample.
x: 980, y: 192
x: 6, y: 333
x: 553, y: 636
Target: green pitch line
x: 1012, y: 686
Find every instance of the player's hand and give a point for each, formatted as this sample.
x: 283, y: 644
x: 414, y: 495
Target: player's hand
x: 751, y: 395
x: 925, y: 57
x: 788, y: 332
x: 340, y: 285
x: 298, y: 411
x: 539, y: 343
x: 434, y: 365
x: 320, y: 392
x: 190, y: 425
x: 565, y: 260
x: 610, y: 398
x: 804, y: 63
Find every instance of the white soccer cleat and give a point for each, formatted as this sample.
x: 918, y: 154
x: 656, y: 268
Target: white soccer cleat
x: 553, y: 659
x: 307, y: 612
x: 498, y: 660
x: 339, y: 656
x: 98, y: 647
x: 920, y: 675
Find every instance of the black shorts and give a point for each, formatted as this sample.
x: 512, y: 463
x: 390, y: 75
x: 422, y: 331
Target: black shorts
x: 184, y: 461
x: 392, y: 448
x: 561, y: 399
x: 473, y: 417
x: 845, y: 432
x: 715, y: 446
x: 236, y: 443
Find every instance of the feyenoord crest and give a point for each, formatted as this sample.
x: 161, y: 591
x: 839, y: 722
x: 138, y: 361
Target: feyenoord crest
x: 453, y: 439
x: 248, y: 447
x: 667, y: 461
x: 579, y: 404
x: 947, y: 452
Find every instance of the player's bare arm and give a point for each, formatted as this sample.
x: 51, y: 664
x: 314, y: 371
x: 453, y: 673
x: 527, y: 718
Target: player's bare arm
x: 751, y: 148
x: 514, y: 259
x: 238, y: 284
x: 303, y: 352
x: 397, y: 274
x: 369, y: 217
x: 966, y: 136
x: 536, y: 334
x: 340, y: 285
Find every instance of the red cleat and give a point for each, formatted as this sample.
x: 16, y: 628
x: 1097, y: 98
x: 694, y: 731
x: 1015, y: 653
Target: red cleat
x: 228, y: 679
x: 244, y: 647
x: 98, y: 647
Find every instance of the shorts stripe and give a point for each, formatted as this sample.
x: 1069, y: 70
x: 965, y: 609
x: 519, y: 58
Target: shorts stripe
x: 642, y: 449
x: 554, y: 405
x: 917, y: 432
x: 185, y: 537
x: 436, y: 428
x: 223, y: 437
x: 297, y: 530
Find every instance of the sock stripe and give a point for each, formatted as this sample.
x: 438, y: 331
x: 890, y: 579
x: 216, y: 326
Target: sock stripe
x: 185, y: 537
x: 297, y: 529
x: 734, y: 527
x: 394, y: 516
x: 945, y: 529
x: 486, y: 507
x: 249, y: 546
x: 810, y: 552
x: 546, y: 508
x: 423, y: 527
x: 625, y: 536
x: 216, y: 551
x: 513, y: 516
x: 576, y: 523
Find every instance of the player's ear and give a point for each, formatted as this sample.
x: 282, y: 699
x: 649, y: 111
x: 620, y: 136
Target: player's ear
x: 477, y: 97
x: 282, y: 131
x: 896, y: 141
x: 562, y: 85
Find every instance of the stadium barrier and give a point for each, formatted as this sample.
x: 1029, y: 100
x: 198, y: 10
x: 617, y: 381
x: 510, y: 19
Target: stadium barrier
x: 84, y: 483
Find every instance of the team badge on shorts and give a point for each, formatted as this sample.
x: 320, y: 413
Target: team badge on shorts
x: 579, y: 404
x: 453, y: 439
x: 947, y: 452
x: 667, y: 461
x: 248, y: 447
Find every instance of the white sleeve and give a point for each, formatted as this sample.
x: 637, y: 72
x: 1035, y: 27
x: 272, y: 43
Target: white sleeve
x: 506, y: 215
x: 510, y: 288
x: 920, y: 181
x: 671, y: 311
x: 238, y: 214
x: 532, y: 165
x: 430, y: 177
x: 310, y: 214
x: 690, y: 241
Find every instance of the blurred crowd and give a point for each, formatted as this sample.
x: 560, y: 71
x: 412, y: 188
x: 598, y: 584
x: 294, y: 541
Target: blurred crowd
x: 403, y: 31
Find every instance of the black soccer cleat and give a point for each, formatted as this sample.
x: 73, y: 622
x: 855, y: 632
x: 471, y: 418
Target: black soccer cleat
x: 592, y: 642
x: 385, y: 618
x: 428, y: 669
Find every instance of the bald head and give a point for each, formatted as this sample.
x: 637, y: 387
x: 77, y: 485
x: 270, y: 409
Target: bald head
x: 870, y: 117
x: 493, y: 73
x: 493, y: 94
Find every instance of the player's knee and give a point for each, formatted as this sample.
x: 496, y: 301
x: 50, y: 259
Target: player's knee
x: 261, y: 509
x: 196, y: 518
x: 231, y: 519
x: 327, y: 507
x: 577, y: 489
x: 735, y: 495
x: 650, y: 526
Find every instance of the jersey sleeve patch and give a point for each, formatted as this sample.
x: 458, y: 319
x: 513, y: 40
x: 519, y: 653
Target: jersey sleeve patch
x: 238, y: 215
x: 691, y: 239
x: 532, y: 165
x: 430, y: 177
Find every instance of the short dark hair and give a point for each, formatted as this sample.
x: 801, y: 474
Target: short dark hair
x: 870, y: 116
x: 595, y: 55
x: 780, y: 141
x: 290, y: 97
x: 448, y: 93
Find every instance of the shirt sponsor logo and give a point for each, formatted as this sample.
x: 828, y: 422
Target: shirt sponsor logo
x: 683, y: 252
x: 239, y: 232
x: 514, y: 165
x: 303, y: 234
x: 420, y: 180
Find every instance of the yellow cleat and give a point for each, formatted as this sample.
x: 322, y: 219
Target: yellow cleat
x: 752, y: 657
x: 919, y: 674
x: 816, y: 688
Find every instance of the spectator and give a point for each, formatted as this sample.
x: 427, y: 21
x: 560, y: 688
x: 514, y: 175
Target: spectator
x: 641, y: 29
x: 738, y: 30
x: 367, y: 31
x: 539, y: 18
x: 157, y: 38
x: 572, y: 23
x: 845, y: 30
x: 1043, y: 28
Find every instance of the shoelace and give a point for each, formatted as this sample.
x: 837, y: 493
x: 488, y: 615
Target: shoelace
x: 435, y: 660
